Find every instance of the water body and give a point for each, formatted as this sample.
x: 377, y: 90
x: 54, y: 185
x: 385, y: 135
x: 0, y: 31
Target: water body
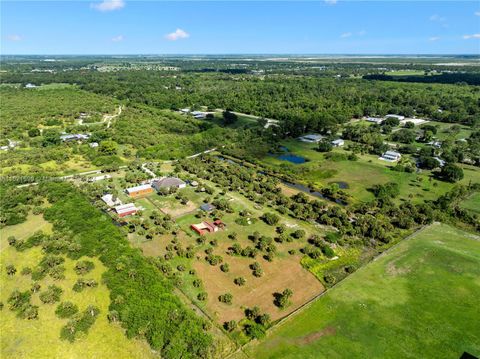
x: 292, y: 158
x: 287, y: 156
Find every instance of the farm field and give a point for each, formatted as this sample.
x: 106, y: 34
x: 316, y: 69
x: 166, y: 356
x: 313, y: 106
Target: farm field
x: 40, y: 338
x: 417, y: 300
x: 258, y: 291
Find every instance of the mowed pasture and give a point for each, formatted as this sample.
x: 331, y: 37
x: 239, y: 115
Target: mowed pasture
x: 418, y: 300
x: 40, y: 338
x: 472, y: 203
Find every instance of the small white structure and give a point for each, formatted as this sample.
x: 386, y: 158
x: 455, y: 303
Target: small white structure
x: 199, y: 115
x: 398, y: 117
x: 93, y: 144
x: 338, y: 143
x: 377, y: 120
x: 311, y: 138
x: 185, y: 110
x: 415, y: 121
x: 30, y: 86
x: 441, y: 162
x: 74, y: 137
x: 436, y: 144
x: 108, y: 199
x: 391, y: 156
x: 99, y: 178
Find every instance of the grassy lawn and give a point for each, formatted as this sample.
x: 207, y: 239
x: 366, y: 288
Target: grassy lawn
x: 40, y: 338
x: 420, y: 300
x: 472, y: 203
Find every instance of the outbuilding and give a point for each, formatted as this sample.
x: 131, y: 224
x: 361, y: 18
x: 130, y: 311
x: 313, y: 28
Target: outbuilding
x: 338, y: 143
x: 126, y: 209
x: 391, y: 156
x: 138, y: 191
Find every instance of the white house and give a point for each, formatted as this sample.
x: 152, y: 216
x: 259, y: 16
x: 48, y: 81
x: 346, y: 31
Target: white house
x: 399, y: 117
x: 391, y: 156
x: 311, y: 138
x: 377, y: 120
x: 99, y: 178
x: 338, y: 143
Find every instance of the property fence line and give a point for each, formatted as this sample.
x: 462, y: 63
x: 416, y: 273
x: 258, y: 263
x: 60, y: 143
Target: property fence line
x: 307, y: 304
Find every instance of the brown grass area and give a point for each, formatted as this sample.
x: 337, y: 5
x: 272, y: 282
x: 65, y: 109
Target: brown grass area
x: 179, y: 210
x: 283, y: 272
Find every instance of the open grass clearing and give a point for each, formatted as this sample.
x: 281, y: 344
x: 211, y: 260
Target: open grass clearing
x: 420, y: 299
x: 21, y: 338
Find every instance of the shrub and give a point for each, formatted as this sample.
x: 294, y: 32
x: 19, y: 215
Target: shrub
x: 230, y: 326
x: 81, y: 284
x: 239, y: 281
x: 329, y: 279
x: 51, y: 295
x: 83, y: 267
x: 225, y: 267
x: 255, y: 331
x: 202, y: 296
x: 225, y: 298
x: 66, y: 310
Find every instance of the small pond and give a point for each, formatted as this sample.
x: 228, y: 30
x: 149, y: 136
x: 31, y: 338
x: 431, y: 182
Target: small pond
x: 292, y: 158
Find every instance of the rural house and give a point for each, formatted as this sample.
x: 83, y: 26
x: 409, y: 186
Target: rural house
x: 391, y: 156
x: 311, y: 138
x: 168, y: 182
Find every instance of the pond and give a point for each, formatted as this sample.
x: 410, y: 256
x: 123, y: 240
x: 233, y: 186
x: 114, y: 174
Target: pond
x: 292, y: 158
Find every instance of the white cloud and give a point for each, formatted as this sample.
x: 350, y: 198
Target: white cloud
x: 108, y: 5
x: 14, y: 37
x: 345, y: 35
x: 178, y: 34
x: 331, y: 2
x: 476, y: 13
x: 434, y: 38
x: 472, y: 36
x: 437, y: 17
x: 361, y: 32
x: 117, y: 38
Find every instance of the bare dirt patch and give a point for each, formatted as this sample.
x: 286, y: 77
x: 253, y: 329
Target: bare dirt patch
x: 179, y: 210
x: 283, y: 272
x: 310, y: 338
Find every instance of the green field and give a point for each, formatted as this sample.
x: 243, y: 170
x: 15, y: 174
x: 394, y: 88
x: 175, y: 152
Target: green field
x: 472, y: 203
x: 362, y: 174
x: 419, y: 300
x: 40, y: 338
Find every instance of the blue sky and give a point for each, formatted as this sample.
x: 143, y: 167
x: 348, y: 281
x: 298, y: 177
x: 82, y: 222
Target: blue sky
x: 237, y: 27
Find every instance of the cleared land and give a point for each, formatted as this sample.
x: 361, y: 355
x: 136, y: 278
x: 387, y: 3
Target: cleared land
x: 418, y: 300
x: 40, y: 338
